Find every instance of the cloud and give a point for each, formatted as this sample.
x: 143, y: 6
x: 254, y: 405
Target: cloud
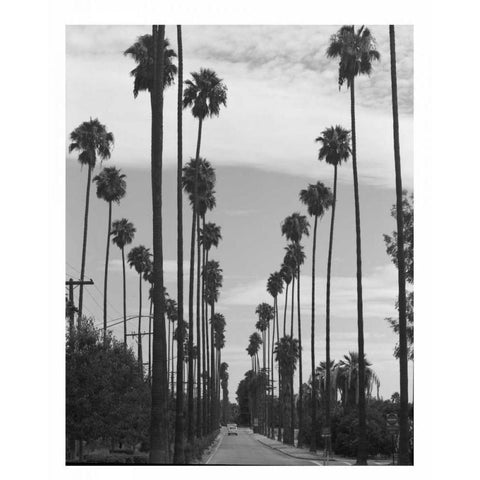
x: 282, y: 92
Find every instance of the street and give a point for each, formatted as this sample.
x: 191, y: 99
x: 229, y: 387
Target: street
x: 244, y: 449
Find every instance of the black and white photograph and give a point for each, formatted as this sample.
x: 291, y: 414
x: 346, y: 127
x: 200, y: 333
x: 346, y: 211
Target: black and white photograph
x: 239, y: 270
x: 238, y: 237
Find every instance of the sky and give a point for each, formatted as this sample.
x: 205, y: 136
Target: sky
x: 282, y: 92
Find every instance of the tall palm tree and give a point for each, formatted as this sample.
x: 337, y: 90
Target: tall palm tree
x: 205, y: 94
x: 171, y: 309
x: 111, y: 187
x: 140, y: 259
x: 286, y: 273
x: 274, y: 288
x: 91, y: 140
x: 159, y: 425
x: 123, y: 233
x: 179, y: 450
x: 198, y: 178
x: 255, y: 341
x: 356, y: 51
x: 224, y: 385
x: 218, y: 324
x: 155, y: 72
x: 209, y: 236
x: 206, y: 201
x: 335, y: 149
x: 403, y: 457
x: 213, y: 282
x: 294, y: 227
x: 318, y: 199
x: 287, y: 353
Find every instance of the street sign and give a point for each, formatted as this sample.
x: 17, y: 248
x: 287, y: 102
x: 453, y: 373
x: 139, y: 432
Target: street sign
x: 326, y: 432
x: 392, y: 419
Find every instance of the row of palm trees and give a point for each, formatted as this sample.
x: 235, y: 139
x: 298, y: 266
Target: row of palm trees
x: 356, y: 51
x: 199, y: 351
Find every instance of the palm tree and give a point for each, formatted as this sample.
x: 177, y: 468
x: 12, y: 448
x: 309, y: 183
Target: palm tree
x: 218, y: 325
x: 403, y: 457
x: 294, y: 227
x: 90, y: 139
x: 348, y: 380
x: 198, y: 178
x: 179, y: 450
x: 209, y: 236
x: 140, y: 259
x: 159, y: 425
x: 171, y: 309
x: 274, y: 288
x: 111, y: 187
x: 318, y: 199
x: 287, y: 353
x: 335, y: 149
x: 255, y: 340
x: 356, y: 51
x: 123, y: 233
x: 224, y: 385
x: 286, y: 273
x: 142, y: 52
x: 213, y: 282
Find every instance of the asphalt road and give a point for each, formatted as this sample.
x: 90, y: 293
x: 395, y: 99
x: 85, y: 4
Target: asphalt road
x: 245, y: 450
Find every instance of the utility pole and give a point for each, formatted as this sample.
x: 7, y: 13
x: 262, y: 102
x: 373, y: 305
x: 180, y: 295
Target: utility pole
x: 70, y: 283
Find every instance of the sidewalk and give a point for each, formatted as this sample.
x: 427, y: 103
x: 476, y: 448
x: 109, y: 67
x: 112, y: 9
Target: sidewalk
x: 304, y: 453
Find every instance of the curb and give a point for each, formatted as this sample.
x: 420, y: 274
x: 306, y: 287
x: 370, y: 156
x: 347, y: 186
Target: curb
x: 290, y: 455
x: 218, y: 441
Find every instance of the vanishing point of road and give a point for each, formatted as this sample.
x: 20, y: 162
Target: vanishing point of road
x: 244, y: 449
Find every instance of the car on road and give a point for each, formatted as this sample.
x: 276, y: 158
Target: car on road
x: 232, y: 429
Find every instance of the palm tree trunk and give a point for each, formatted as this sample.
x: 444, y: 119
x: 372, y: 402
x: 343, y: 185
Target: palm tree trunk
x: 84, y: 246
x: 300, y: 368
x: 292, y: 412
x: 179, y: 450
x: 190, y: 405
x: 139, y: 338
x: 204, y: 316
x: 150, y: 343
x: 293, y: 304
x: 105, y: 282
x: 285, y: 312
x: 327, y: 315
x: 313, y: 440
x: 403, y: 457
x: 199, y: 343
x: 169, y: 352
x: 212, y: 373
x: 159, y: 413
x: 124, y: 301
x: 362, y: 433
x: 272, y: 371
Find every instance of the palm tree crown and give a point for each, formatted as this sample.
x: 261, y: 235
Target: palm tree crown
x: 206, y: 93
x: 318, y: 198
x: 287, y: 351
x: 111, y: 185
x: 294, y: 256
x: 295, y: 226
x: 206, y: 178
x: 91, y: 139
x: 275, y: 284
x: 335, y: 147
x: 210, y: 235
x: 139, y: 258
x: 123, y: 232
x: 356, y: 50
x: 213, y: 280
x: 142, y: 52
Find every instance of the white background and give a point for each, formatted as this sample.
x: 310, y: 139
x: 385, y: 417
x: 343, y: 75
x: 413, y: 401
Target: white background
x: 446, y: 226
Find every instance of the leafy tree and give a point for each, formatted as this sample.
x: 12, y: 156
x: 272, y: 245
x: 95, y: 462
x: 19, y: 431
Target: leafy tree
x: 318, y: 199
x: 91, y: 140
x: 356, y: 52
x: 111, y: 187
x: 123, y: 233
x: 105, y: 397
